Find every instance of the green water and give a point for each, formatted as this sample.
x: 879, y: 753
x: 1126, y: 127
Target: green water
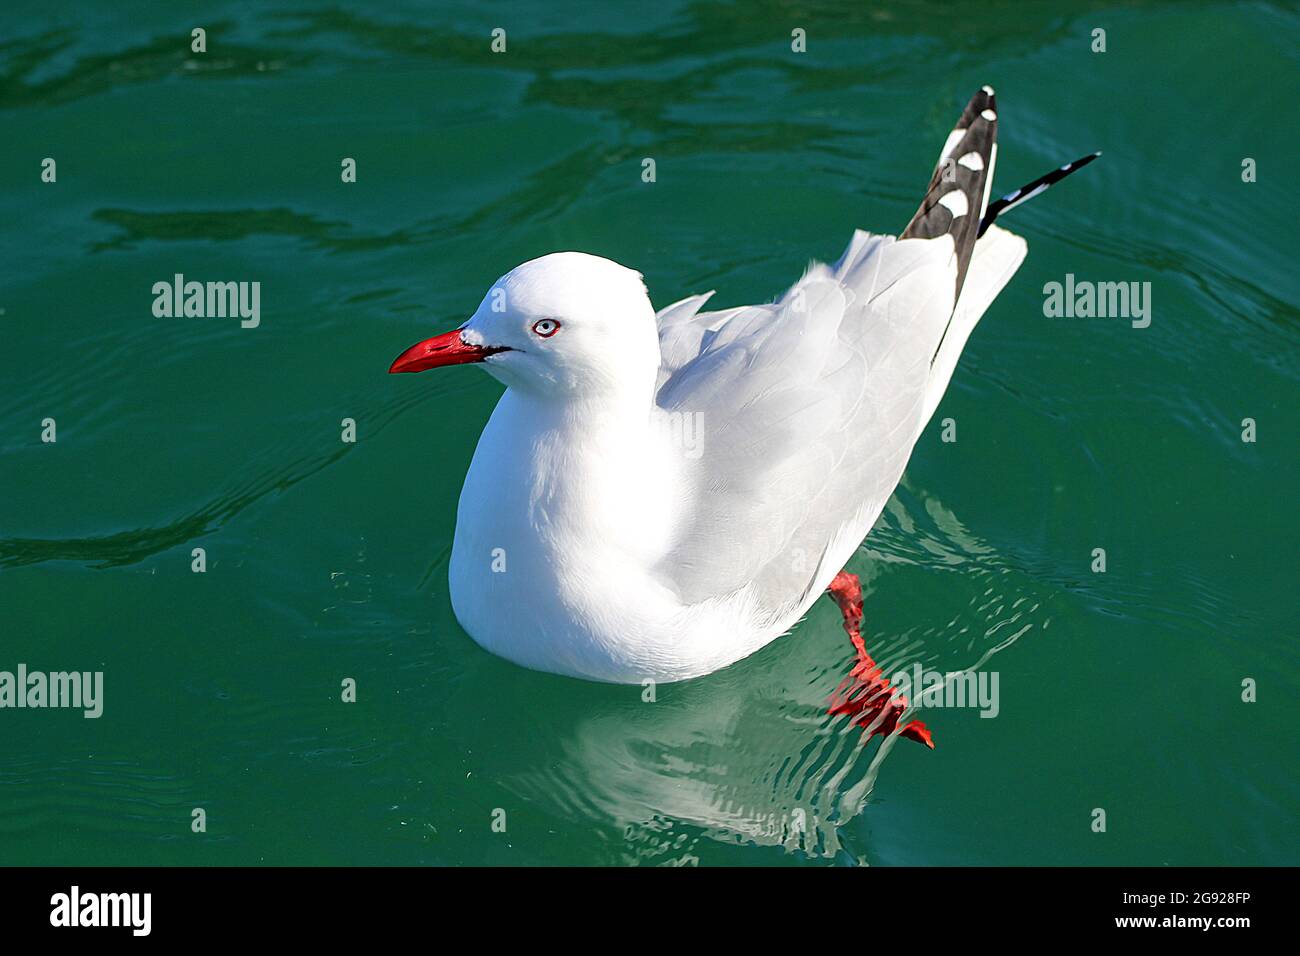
x: 327, y: 560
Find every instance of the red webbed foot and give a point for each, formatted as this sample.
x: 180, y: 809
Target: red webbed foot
x: 865, y: 695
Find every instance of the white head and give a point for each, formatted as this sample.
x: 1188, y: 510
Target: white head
x: 565, y: 325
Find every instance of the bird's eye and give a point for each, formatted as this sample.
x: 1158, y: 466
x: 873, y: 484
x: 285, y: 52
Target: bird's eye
x: 546, y: 327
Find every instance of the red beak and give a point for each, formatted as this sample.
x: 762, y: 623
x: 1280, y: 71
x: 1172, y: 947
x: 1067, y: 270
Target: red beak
x: 445, y: 349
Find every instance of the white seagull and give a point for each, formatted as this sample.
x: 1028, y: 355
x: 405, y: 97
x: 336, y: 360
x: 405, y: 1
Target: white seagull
x: 658, y: 495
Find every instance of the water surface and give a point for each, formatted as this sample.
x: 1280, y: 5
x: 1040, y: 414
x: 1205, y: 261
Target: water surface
x: 1120, y: 691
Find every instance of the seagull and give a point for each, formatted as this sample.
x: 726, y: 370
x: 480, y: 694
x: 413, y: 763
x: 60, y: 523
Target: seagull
x: 659, y: 495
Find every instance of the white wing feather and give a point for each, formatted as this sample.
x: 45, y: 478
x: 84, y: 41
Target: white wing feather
x: 808, y: 409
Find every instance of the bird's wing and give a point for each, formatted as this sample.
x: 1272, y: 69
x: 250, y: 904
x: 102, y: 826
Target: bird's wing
x: 961, y: 182
x: 683, y: 330
x: 804, y: 413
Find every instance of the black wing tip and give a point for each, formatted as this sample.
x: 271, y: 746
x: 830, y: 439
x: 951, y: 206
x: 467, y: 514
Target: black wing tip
x: 955, y: 198
x: 1032, y: 189
x: 983, y: 98
x: 983, y: 105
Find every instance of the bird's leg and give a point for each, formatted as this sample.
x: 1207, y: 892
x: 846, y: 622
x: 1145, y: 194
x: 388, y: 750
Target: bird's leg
x: 865, y: 694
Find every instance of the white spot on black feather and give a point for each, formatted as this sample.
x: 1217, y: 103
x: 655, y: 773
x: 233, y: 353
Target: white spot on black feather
x: 954, y: 138
x: 955, y: 202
